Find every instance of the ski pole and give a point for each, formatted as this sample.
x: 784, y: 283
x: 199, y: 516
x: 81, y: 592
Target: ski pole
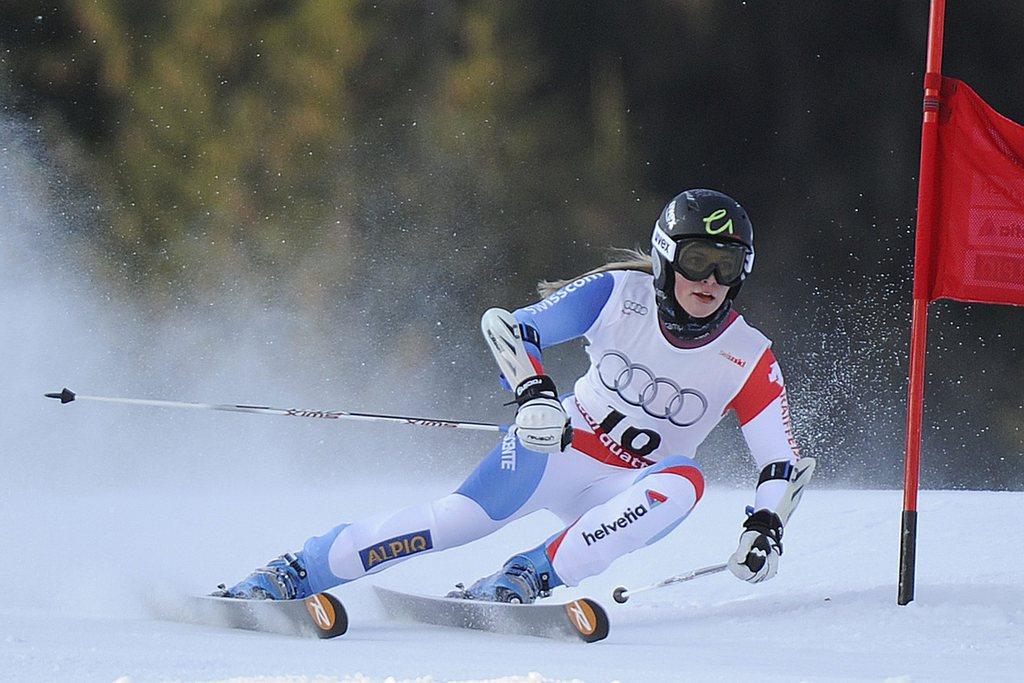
x: 67, y: 396
x: 622, y: 594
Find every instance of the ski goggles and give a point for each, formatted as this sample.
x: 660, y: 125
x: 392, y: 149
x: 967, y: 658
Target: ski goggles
x: 697, y: 258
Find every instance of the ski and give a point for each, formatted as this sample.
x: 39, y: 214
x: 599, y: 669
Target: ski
x: 321, y: 615
x: 578, y: 619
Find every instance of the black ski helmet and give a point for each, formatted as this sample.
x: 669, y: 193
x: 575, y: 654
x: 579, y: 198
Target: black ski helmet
x: 700, y: 214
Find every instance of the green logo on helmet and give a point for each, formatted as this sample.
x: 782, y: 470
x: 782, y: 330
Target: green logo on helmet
x: 715, y: 216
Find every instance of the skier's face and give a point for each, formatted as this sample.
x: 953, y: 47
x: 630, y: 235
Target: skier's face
x: 700, y: 299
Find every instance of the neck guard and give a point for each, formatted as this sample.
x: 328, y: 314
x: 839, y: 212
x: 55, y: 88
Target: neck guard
x: 688, y: 329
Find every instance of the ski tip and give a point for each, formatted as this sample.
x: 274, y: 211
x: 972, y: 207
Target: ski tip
x: 620, y: 595
x: 65, y: 395
x: 588, y: 618
x: 328, y: 615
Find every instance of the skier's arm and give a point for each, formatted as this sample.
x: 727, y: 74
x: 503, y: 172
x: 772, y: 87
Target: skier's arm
x: 567, y: 314
x: 515, y: 342
x: 763, y: 412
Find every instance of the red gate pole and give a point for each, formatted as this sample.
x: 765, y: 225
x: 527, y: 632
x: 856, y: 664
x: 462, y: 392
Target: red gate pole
x: 922, y: 285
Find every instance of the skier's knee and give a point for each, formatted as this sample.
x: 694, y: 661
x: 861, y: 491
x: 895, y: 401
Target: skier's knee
x: 681, y: 466
x: 458, y: 519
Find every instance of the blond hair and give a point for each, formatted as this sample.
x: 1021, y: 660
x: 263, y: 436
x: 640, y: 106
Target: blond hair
x: 624, y: 259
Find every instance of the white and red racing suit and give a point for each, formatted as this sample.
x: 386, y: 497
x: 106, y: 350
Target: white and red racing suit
x: 629, y: 476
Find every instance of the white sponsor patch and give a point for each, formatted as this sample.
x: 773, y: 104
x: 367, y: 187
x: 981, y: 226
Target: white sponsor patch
x: 663, y: 244
x: 670, y: 215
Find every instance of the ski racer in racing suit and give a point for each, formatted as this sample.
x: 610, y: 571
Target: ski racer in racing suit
x: 614, y: 460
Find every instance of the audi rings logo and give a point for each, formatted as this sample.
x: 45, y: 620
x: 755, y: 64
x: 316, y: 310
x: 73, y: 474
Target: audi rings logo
x: 660, y: 397
x: 633, y: 307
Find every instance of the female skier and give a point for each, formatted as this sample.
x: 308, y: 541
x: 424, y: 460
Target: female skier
x: 669, y: 357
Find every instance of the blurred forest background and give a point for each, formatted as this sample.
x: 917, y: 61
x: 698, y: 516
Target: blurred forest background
x: 376, y: 175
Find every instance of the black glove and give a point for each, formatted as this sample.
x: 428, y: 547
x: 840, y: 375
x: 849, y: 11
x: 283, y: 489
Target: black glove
x: 757, y: 557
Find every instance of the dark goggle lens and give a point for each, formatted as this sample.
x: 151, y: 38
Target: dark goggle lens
x: 697, y: 259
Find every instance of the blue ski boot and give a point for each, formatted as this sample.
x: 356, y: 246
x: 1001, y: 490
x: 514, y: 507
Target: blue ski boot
x: 284, y: 578
x: 523, y: 579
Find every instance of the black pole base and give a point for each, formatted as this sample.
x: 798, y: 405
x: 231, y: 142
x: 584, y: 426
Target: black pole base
x: 908, y: 547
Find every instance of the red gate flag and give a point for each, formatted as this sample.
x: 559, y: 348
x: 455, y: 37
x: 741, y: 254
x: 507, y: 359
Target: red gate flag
x: 977, y: 249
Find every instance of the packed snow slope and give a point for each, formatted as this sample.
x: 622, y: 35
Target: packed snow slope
x: 81, y: 569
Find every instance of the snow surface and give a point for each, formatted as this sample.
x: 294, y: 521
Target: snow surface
x: 82, y: 568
